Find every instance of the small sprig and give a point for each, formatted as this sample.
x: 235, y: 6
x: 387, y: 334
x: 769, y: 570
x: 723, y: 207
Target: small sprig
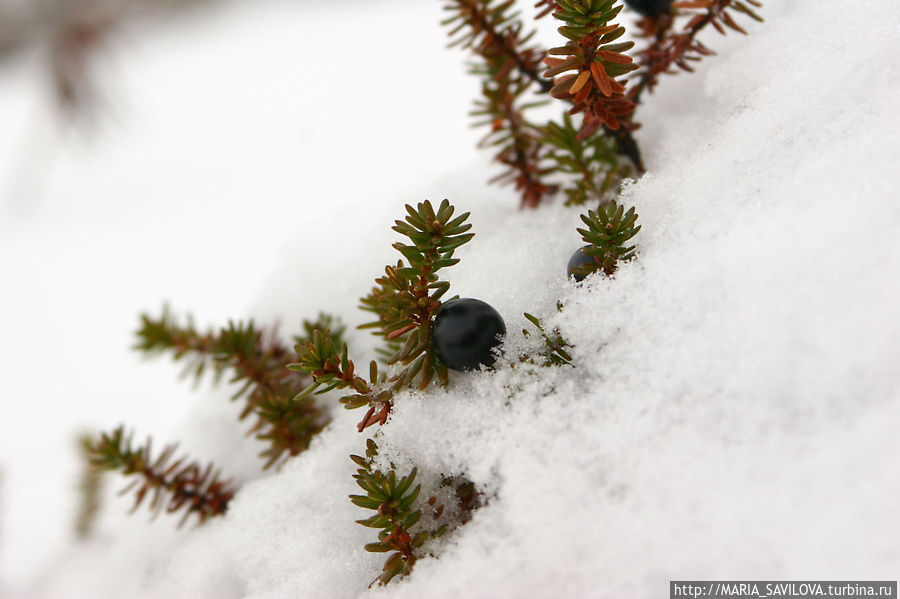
x: 508, y: 68
x: 517, y: 140
x: 592, y: 162
x: 76, y: 40
x: 258, y: 362
x: 177, y: 485
x: 555, y: 346
x: 608, y: 231
x: 392, y: 499
x: 406, y: 302
x: 90, y: 487
x: 330, y: 369
x: 596, y: 61
x: 408, y: 298
x: 324, y: 322
x: 545, y: 7
x: 491, y: 29
x: 669, y: 47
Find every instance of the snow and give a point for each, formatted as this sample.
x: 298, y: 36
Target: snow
x: 733, y: 409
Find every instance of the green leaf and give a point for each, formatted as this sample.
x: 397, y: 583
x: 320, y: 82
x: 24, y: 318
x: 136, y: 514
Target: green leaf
x: 414, y: 218
x: 352, y: 402
x: 445, y: 211
x: 454, y: 242
x: 376, y: 521
x: 306, y: 391
x: 378, y: 547
x: 335, y: 383
x: 533, y: 320
x: 365, y: 501
x: 393, y: 567
x: 411, y: 520
x: 409, y: 252
x: 406, y: 482
x: 407, y: 501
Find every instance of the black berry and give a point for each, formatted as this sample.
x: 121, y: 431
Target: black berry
x: 577, y: 259
x: 465, y: 331
x: 650, y: 8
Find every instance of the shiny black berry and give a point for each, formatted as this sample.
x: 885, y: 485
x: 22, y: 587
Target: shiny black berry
x: 465, y: 331
x: 577, y: 259
x: 650, y: 8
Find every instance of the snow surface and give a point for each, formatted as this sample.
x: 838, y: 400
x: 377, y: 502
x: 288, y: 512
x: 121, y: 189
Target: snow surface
x: 733, y: 410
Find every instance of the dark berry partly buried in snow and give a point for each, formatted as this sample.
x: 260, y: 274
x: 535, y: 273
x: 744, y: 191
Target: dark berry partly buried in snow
x: 465, y: 332
x: 650, y: 8
x: 577, y: 259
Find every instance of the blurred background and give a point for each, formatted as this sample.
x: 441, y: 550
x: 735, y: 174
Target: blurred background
x: 159, y: 151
